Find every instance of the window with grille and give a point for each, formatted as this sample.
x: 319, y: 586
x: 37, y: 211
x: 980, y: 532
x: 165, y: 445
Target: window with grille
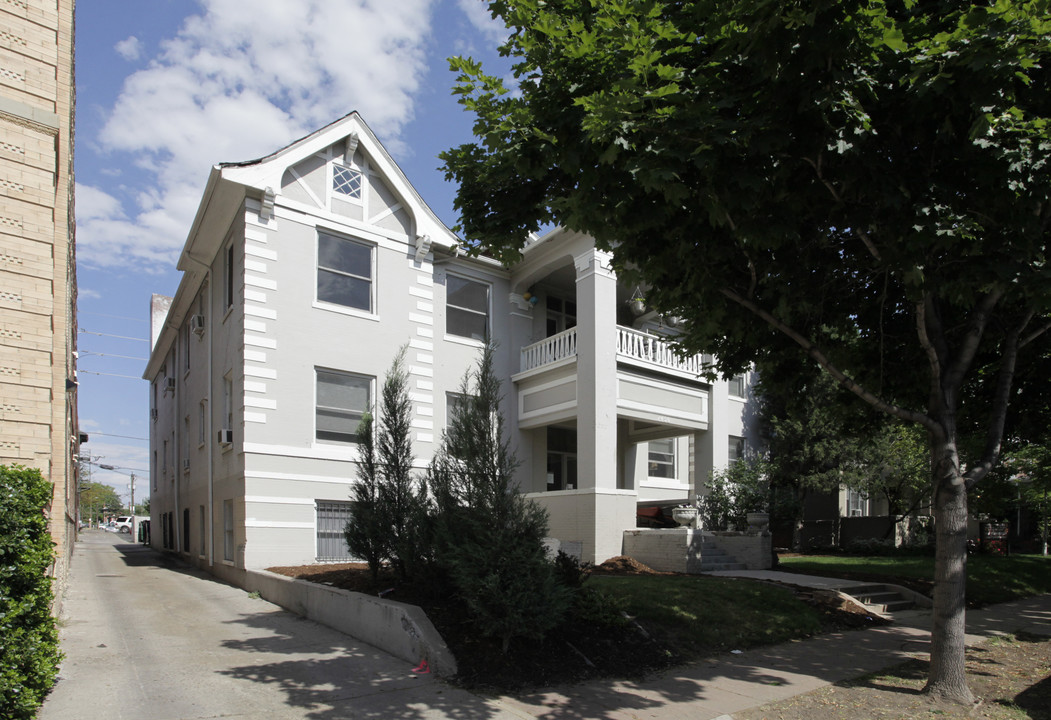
x: 346, y: 181
x: 332, y: 519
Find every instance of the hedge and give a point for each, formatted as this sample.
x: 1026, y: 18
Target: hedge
x: 29, y: 653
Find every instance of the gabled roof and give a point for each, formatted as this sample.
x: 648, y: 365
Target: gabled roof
x: 230, y: 183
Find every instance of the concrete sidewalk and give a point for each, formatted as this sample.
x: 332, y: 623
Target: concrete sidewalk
x: 725, y: 684
x: 146, y: 637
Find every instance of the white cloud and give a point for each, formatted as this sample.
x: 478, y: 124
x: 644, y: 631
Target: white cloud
x: 477, y: 12
x: 130, y: 48
x: 235, y: 85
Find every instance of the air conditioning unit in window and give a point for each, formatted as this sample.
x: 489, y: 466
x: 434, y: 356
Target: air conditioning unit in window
x: 153, y: 413
x: 197, y: 325
x: 169, y: 384
x: 186, y: 464
x: 226, y: 436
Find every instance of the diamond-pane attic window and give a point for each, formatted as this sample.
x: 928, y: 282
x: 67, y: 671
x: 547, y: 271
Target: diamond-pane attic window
x: 346, y: 181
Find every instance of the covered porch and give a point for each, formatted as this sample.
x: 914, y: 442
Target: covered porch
x: 606, y: 408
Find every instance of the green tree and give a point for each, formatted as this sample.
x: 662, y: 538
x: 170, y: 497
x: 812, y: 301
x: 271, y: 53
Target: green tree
x: 94, y: 497
x: 388, y: 512
x: 29, y: 653
x: 488, y: 538
x: 865, y: 183
x: 366, y: 535
x: 819, y: 442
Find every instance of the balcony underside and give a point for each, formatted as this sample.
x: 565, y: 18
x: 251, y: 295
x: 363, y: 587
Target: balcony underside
x: 651, y: 402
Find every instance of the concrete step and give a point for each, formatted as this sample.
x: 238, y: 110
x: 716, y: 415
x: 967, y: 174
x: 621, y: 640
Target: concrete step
x: 715, y: 567
x: 879, y: 598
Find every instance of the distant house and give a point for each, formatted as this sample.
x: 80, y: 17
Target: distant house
x: 306, y: 271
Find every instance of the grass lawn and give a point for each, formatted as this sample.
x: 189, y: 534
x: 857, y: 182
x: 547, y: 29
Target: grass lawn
x: 706, y: 614
x: 990, y: 578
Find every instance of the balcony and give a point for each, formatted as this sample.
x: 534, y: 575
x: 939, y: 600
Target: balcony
x: 633, y: 348
x: 655, y: 385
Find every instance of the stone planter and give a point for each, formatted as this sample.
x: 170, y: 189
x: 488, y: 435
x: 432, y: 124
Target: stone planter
x: 758, y: 522
x: 685, y: 516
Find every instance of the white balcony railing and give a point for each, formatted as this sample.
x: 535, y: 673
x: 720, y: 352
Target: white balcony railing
x: 549, y: 350
x: 631, y: 345
x: 637, y: 345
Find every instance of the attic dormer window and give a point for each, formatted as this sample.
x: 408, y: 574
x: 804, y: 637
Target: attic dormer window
x: 346, y: 181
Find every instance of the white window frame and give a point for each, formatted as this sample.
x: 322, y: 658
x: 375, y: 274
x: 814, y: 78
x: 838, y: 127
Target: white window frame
x: 370, y: 384
x: 370, y: 311
x: 449, y: 334
x: 335, y: 193
x: 229, y: 551
x: 736, y: 447
x: 228, y: 278
x: 858, y: 504
x: 661, y: 458
x: 737, y: 386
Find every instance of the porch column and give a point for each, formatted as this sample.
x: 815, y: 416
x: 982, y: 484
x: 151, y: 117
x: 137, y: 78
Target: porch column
x: 596, y: 370
x: 601, y: 511
x: 521, y: 334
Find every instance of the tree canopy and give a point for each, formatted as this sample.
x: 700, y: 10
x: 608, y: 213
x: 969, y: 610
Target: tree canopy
x: 865, y: 182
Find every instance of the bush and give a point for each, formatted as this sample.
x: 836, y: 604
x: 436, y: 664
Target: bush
x: 735, y: 491
x: 487, y: 538
x: 29, y: 653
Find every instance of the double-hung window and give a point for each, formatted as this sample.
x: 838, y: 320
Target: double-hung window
x: 737, y: 386
x: 344, y: 272
x: 342, y: 400
x: 662, y: 458
x: 466, y: 308
x: 735, y: 448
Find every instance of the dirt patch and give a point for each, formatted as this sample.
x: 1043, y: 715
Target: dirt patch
x: 1011, y: 676
x: 575, y: 652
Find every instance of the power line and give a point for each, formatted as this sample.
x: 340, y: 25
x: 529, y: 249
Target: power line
x: 82, y: 331
x: 92, y: 372
x: 122, y: 357
x: 127, y: 437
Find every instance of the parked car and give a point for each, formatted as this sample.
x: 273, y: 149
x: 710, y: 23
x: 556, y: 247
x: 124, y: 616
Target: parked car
x: 108, y: 526
x: 124, y: 523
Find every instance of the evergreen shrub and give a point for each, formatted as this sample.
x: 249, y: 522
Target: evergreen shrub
x: 29, y: 653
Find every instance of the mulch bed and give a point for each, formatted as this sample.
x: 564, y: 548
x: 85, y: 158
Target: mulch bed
x: 575, y: 652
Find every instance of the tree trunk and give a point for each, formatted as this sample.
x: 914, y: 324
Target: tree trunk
x: 947, y: 677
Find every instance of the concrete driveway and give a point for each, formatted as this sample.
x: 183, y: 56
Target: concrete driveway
x: 146, y: 638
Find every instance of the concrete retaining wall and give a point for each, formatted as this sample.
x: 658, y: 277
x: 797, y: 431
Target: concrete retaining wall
x: 682, y: 550
x: 398, y: 628
x: 755, y: 551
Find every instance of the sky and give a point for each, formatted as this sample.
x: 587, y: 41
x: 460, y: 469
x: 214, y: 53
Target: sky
x: 168, y: 88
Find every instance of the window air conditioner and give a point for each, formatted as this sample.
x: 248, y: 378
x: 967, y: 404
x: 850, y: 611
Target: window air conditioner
x: 197, y: 325
x: 226, y: 436
x: 186, y: 464
x: 169, y: 384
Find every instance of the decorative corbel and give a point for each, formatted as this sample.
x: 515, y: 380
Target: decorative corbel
x: 267, y: 209
x: 351, y: 148
x: 423, y: 246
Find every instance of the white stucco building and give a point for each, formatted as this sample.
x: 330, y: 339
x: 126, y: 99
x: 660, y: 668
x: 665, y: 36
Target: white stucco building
x: 306, y: 271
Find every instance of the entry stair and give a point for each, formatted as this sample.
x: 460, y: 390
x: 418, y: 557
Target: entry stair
x: 714, y: 558
x: 878, y: 598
